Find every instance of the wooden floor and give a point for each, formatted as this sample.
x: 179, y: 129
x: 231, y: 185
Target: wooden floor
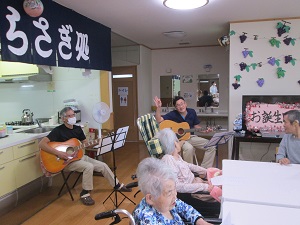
x: 65, y: 211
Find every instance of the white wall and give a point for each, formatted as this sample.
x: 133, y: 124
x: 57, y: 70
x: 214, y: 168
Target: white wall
x: 190, y: 61
x: 68, y: 83
x: 262, y: 49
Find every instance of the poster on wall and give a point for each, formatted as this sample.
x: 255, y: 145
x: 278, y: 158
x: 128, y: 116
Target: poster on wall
x: 188, y: 95
x: 187, y: 79
x: 266, y: 117
x: 123, y: 93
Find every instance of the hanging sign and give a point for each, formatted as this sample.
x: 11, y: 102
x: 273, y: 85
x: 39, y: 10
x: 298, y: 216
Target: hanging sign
x: 64, y: 38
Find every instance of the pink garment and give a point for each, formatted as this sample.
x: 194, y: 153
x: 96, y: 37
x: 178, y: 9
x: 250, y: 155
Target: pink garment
x: 216, y: 192
x: 186, y: 181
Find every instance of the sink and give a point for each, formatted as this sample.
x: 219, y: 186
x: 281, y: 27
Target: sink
x: 37, y: 130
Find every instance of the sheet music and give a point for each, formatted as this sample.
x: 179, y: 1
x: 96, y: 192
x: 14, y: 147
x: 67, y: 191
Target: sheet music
x: 219, y: 138
x: 105, y: 145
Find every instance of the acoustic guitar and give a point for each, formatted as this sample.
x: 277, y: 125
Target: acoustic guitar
x: 73, y: 147
x: 182, y: 130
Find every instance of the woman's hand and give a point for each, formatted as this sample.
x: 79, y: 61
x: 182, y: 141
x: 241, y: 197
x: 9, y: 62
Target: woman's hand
x: 284, y: 161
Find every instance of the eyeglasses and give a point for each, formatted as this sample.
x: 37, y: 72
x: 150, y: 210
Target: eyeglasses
x: 70, y: 116
x: 179, y: 105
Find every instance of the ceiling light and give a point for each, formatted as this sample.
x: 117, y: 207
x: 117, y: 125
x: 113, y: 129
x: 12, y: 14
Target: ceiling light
x: 185, y: 4
x: 174, y: 34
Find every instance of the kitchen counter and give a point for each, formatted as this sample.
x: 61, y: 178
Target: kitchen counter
x: 18, y: 138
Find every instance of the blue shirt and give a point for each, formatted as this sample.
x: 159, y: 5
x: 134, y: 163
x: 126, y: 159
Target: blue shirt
x: 191, y: 117
x: 145, y: 214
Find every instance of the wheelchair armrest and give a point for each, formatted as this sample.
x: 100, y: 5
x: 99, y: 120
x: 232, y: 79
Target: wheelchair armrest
x: 213, y: 220
x: 132, y: 184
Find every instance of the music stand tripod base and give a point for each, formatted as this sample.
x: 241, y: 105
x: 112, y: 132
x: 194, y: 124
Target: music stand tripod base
x: 111, y: 143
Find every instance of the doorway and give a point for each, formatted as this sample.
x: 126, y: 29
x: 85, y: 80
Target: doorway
x: 125, y: 104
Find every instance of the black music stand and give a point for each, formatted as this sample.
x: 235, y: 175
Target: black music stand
x: 218, y: 139
x: 110, y: 143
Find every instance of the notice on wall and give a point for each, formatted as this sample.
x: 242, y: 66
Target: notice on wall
x: 188, y: 95
x: 123, y: 100
x: 123, y: 93
x: 266, y: 117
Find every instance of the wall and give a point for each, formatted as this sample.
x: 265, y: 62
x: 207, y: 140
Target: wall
x: 68, y: 83
x: 262, y: 50
x: 190, y: 61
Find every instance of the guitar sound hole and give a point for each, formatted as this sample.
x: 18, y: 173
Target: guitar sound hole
x: 70, y: 151
x: 180, y: 131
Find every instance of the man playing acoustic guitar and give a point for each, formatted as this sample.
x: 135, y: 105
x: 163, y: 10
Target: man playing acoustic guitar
x: 184, y: 114
x: 52, y: 154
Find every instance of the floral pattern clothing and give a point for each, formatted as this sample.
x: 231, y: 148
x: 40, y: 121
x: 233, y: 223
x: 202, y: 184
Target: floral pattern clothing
x: 186, y: 181
x: 145, y: 214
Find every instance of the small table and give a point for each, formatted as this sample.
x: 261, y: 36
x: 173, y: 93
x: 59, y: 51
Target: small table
x: 249, y: 138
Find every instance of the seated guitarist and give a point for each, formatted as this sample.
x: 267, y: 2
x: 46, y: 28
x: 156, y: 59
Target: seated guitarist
x: 86, y: 165
x: 184, y: 114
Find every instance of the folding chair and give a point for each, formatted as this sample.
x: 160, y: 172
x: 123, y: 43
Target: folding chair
x: 65, y: 179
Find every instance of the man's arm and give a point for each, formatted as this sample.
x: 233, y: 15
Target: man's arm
x: 43, y: 144
x: 158, y: 104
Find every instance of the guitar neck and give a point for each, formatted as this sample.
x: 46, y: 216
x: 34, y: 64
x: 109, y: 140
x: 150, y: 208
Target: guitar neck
x: 194, y: 130
x: 93, y: 142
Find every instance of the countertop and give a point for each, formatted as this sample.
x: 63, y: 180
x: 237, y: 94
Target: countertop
x: 19, y: 138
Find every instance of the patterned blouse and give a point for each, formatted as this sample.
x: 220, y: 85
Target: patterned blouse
x: 186, y: 181
x: 145, y: 214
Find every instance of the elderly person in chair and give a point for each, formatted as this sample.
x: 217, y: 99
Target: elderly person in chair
x: 160, y: 205
x: 186, y: 182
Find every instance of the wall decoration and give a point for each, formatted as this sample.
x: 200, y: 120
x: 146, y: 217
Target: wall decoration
x: 224, y: 41
x: 243, y: 37
x: 274, y: 42
x: 282, y: 28
x: 260, y: 82
x: 287, y: 40
x: 187, y: 79
x: 272, y: 61
x: 289, y: 59
x: 246, y: 52
x: 243, y: 66
x: 236, y: 84
x: 266, y: 117
x: 33, y: 8
x: 280, y: 72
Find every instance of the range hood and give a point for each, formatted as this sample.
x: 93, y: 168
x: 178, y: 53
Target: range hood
x: 14, y: 72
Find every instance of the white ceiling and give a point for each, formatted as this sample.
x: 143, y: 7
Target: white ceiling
x: 144, y: 21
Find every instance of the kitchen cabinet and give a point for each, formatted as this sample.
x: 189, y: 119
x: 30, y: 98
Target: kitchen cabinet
x: 27, y: 167
x: 7, y: 174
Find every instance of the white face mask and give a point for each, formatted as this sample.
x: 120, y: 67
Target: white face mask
x: 72, y: 120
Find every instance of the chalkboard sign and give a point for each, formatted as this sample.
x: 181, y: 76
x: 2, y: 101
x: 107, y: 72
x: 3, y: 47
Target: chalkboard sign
x: 265, y: 113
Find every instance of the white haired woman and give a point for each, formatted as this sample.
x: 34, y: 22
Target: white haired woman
x: 160, y: 204
x: 186, y: 181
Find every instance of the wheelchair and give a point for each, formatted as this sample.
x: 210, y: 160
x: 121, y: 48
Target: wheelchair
x: 115, y: 215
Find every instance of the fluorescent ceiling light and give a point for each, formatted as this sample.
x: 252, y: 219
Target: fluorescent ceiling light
x: 174, y: 34
x: 122, y: 76
x: 185, y: 4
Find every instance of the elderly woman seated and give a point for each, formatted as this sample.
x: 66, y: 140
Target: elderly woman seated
x: 160, y: 205
x: 186, y: 181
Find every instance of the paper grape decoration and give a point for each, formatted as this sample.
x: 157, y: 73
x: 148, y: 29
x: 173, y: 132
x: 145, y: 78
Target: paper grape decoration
x: 288, y: 40
x: 289, y: 58
x: 243, y: 37
x: 33, y: 8
x: 243, y: 66
x: 282, y: 28
x: 260, y: 82
x: 236, y: 85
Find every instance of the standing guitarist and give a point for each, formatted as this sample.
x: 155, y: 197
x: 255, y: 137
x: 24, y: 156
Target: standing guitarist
x: 86, y: 165
x: 184, y: 114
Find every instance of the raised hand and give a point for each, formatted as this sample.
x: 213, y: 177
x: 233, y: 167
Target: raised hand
x: 157, y: 102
